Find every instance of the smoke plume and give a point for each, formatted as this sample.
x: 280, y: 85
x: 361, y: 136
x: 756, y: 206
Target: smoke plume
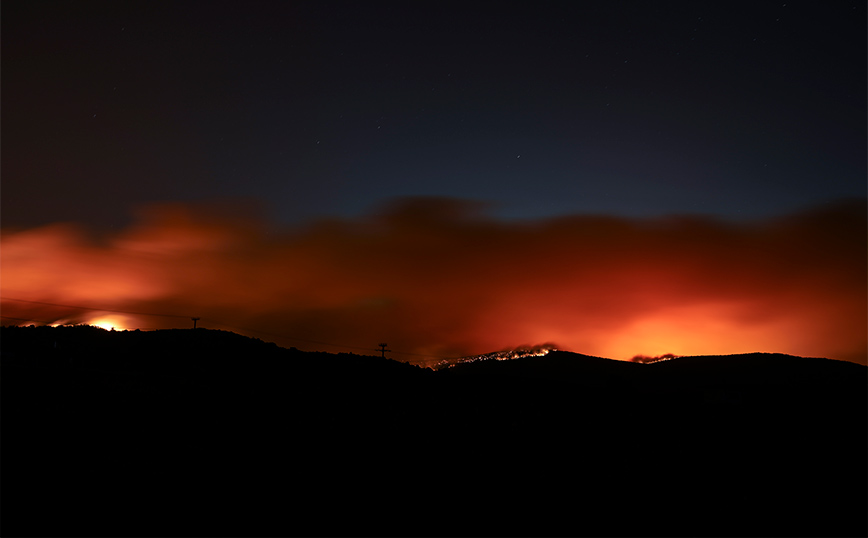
x: 438, y: 278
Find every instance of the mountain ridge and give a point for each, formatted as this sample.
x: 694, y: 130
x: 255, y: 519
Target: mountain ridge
x: 227, y: 336
x: 197, y: 432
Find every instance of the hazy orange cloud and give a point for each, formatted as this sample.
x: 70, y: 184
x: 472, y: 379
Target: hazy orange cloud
x: 438, y: 277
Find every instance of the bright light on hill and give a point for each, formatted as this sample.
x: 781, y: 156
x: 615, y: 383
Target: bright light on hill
x: 109, y: 323
x: 505, y: 355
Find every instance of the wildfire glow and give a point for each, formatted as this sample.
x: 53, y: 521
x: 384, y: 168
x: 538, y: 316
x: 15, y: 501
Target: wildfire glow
x: 434, y: 278
x: 539, y: 351
x: 109, y: 323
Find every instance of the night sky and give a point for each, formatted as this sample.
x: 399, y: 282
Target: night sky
x: 288, y: 127
x: 322, y: 108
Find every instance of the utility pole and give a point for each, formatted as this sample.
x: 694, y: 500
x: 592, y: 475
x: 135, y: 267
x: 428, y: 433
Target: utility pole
x: 194, y: 321
x: 383, y: 350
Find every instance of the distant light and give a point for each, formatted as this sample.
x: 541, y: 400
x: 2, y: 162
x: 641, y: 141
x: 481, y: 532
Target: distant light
x: 109, y: 323
x: 498, y: 356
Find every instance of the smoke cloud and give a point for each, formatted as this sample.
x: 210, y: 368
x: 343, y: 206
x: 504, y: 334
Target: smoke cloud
x: 438, y: 278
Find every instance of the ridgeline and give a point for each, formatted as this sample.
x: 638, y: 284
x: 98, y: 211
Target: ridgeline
x: 209, y: 433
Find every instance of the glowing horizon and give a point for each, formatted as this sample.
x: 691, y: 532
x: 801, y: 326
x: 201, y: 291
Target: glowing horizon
x: 109, y: 323
x: 434, y: 279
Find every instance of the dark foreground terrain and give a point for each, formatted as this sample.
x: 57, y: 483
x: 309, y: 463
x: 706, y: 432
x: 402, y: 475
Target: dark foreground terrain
x: 208, y: 433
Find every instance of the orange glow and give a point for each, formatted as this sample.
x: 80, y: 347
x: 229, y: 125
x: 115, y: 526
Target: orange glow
x: 109, y: 323
x: 433, y: 277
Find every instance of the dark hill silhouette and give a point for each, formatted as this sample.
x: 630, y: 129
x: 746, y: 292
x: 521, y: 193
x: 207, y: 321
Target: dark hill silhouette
x: 209, y: 433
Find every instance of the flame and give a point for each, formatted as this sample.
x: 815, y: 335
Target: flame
x: 505, y: 355
x: 436, y: 278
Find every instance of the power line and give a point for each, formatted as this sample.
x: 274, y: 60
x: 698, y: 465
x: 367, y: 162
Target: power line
x: 273, y: 335
x: 46, y: 322
x: 319, y: 342
x: 94, y: 309
x: 23, y: 319
x: 428, y: 358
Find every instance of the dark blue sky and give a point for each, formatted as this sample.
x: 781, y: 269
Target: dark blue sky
x: 332, y: 109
